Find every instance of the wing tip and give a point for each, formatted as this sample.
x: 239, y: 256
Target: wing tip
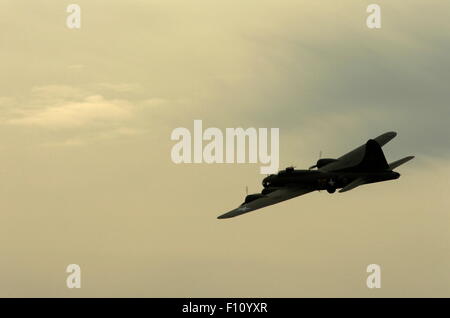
x: 390, y: 134
x: 385, y: 138
x: 227, y: 215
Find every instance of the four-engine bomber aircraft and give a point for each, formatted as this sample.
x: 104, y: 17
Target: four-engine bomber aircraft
x: 366, y: 164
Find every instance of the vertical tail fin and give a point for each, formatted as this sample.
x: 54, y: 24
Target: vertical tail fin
x: 373, y: 157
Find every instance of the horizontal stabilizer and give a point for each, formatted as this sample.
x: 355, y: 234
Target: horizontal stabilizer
x: 397, y: 163
x: 385, y: 138
x: 373, y: 157
x: 355, y: 183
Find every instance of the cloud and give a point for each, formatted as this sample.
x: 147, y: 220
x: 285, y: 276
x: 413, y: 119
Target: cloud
x: 91, y: 138
x: 394, y: 79
x: 54, y: 93
x: 81, y: 115
x: 91, y: 109
x: 119, y: 87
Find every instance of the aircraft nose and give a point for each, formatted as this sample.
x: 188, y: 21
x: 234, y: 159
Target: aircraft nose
x: 397, y: 175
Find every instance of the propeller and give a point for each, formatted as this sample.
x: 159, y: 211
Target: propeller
x: 315, y: 166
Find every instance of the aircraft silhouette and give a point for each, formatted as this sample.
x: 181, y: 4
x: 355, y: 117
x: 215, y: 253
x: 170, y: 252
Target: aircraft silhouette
x: 366, y: 164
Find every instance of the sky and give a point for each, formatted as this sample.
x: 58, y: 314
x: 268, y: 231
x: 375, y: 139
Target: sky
x: 87, y: 178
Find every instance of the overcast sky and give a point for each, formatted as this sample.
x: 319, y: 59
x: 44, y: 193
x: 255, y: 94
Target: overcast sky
x: 86, y: 175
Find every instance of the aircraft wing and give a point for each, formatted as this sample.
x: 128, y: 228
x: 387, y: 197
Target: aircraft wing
x: 274, y: 197
x: 355, y: 156
x: 355, y: 183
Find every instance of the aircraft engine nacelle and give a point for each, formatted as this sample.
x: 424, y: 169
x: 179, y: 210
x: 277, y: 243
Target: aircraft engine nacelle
x: 323, y: 162
x: 252, y: 197
x: 268, y: 190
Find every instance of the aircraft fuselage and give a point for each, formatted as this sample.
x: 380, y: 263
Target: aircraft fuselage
x: 321, y: 180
